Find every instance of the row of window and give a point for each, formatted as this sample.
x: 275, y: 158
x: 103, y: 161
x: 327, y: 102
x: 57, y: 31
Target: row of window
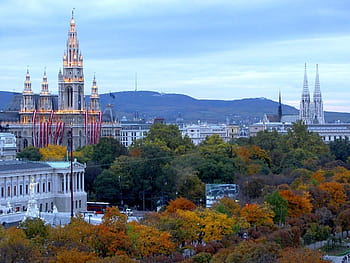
x: 15, y: 191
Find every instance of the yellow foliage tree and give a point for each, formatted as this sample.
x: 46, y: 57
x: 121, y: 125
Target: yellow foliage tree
x: 216, y: 225
x: 336, y: 193
x: 148, y: 241
x: 53, y: 153
x: 341, y: 175
x: 258, y: 214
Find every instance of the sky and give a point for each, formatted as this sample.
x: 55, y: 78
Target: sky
x: 219, y: 49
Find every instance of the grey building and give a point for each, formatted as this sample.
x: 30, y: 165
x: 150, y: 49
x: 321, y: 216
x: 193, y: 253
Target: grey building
x: 52, y: 188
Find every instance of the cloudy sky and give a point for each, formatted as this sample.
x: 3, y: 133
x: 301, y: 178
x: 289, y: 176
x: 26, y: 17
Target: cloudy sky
x: 219, y: 49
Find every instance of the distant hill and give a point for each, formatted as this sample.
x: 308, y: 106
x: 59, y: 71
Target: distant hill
x: 148, y: 105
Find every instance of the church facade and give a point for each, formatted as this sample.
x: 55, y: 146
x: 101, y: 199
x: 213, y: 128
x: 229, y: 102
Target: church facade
x: 311, y: 111
x: 56, y: 119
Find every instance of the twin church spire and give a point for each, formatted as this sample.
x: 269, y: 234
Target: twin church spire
x: 311, y: 112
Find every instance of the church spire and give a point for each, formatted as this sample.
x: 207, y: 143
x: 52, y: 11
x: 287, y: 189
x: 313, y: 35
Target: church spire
x: 94, y: 98
x: 279, y: 107
x: 27, y: 103
x: 318, y: 114
x: 28, y: 83
x: 44, y: 84
x: 71, y: 80
x: 305, y: 101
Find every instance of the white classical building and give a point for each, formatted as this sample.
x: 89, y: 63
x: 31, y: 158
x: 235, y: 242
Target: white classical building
x: 52, y: 181
x: 198, y: 132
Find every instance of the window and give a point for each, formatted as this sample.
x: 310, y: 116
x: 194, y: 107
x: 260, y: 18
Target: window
x: 9, y: 191
x: 21, y: 190
x: 43, y: 187
x: 2, y: 191
x: 79, y: 203
x: 38, y: 188
x: 26, y: 189
x: 15, y: 190
x: 49, y: 186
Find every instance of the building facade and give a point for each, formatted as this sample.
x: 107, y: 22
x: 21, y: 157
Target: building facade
x: 52, y: 181
x: 56, y: 119
x: 311, y: 112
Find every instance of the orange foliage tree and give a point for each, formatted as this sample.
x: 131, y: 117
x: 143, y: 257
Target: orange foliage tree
x: 148, y: 241
x: 112, y: 238
x: 297, y: 204
x: 300, y: 255
x: 336, y: 193
x: 180, y: 203
x: 318, y: 176
x: 258, y: 214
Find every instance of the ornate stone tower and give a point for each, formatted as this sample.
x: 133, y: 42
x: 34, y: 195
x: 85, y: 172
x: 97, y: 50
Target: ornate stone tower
x: 305, y: 112
x: 94, y: 98
x: 318, y: 114
x: 71, y: 80
x: 27, y: 103
x: 45, y: 97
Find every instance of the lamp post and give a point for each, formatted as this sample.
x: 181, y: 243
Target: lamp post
x: 71, y: 170
x: 121, y: 193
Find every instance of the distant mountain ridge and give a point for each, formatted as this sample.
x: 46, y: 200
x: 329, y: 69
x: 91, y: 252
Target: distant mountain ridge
x: 150, y: 104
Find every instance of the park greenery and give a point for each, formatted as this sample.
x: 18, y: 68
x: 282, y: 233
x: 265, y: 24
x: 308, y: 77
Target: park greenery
x: 294, y: 191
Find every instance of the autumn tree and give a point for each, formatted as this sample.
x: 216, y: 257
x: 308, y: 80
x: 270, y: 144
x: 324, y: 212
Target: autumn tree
x: 297, y: 204
x: 336, y: 193
x: 148, y: 241
x: 343, y: 220
x: 15, y: 247
x: 300, y: 255
x: 247, y: 252
x: 180, y: 203
x: 53, y: 153
x: 258, y: 214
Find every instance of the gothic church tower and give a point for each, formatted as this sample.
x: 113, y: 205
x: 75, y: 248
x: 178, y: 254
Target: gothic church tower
x: 71, y: 80
x: 318, y: 114
x: 305, y: 111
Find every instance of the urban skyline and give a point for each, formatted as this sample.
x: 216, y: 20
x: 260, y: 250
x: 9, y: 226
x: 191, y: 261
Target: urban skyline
x: 207, y: 50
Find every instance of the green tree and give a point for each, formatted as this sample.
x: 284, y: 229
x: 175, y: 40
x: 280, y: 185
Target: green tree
x: 279, y: 205
x: 340, y: 148
x: 299, y: 137
x: 168, y: 137
x: 107, y: 186
x: 107, y: 149
x: 30, y: 153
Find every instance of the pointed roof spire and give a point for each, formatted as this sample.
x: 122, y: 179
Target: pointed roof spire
x: 317, y: 92
x: 28, y: 83
x: 279, y: 106
x: 94, y: 80
x: 306, y: 93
